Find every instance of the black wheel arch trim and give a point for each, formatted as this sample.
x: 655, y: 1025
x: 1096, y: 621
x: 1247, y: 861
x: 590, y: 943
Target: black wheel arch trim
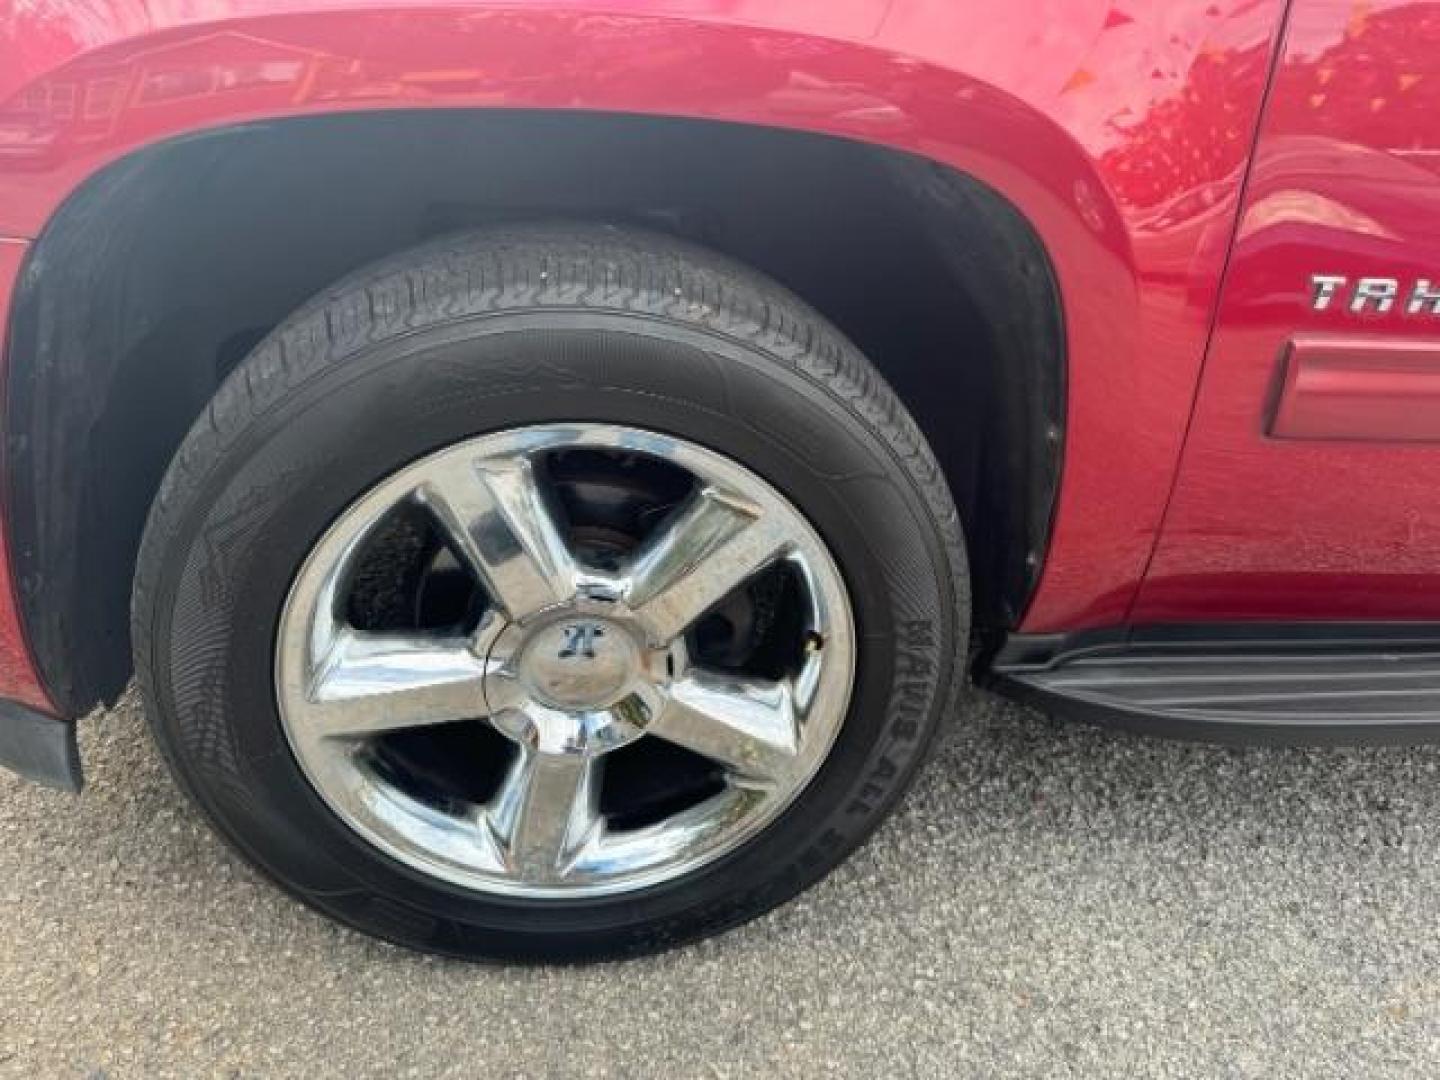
x: 63, y: 373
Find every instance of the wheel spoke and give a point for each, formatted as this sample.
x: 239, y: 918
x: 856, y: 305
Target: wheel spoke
x: 704, y: 552
x: 545, y: 810
x: 747, y: 725
x: 368, y: 684
x: 501, y: 523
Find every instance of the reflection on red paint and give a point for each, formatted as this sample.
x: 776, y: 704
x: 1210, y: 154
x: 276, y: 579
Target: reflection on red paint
x: 1344, y: 182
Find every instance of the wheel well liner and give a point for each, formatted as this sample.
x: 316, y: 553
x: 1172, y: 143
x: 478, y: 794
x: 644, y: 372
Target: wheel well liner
x: 157, y: 276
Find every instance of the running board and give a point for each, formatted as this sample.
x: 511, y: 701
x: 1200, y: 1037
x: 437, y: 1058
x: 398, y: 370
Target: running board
x: 1305, y: 684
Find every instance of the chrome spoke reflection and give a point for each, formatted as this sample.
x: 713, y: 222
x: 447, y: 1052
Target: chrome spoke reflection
x: 547, y: 808
x: 370, y: 684
x: 502, y: 525
x: 699, y: 556
x: 747, y: 725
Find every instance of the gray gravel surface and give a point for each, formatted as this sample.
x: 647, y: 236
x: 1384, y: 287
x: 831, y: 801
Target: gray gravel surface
x: 1051, y: 900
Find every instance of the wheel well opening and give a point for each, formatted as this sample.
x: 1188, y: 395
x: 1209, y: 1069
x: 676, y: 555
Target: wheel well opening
x: 154, y: 280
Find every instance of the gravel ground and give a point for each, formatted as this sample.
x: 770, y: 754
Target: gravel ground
x: 1051, y: 900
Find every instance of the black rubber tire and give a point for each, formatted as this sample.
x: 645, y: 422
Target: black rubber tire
x: 498, y: 329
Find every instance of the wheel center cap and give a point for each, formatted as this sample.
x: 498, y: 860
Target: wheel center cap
x: 579, y: 663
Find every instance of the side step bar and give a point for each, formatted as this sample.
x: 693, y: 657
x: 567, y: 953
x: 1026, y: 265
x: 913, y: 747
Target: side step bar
x: 1313, y: 684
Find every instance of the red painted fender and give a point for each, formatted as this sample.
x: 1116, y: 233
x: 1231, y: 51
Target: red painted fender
x: 1120, y: 131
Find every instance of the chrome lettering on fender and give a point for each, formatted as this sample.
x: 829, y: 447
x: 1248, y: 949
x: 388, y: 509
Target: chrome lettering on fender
x: 1374, y: 294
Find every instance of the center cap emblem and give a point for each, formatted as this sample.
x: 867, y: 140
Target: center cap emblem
x: 578, y: 664
x: 580, y: 640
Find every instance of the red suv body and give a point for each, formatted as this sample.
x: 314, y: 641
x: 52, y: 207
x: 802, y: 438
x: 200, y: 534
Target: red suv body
x: 1199, y: 239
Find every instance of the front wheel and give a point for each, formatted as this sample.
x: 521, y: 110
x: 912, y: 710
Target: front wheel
x: 550, y: 593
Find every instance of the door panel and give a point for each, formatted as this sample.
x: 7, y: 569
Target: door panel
x: 1309, y: 487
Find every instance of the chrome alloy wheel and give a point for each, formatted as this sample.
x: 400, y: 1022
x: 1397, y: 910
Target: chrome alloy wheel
x: 654, y: 611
